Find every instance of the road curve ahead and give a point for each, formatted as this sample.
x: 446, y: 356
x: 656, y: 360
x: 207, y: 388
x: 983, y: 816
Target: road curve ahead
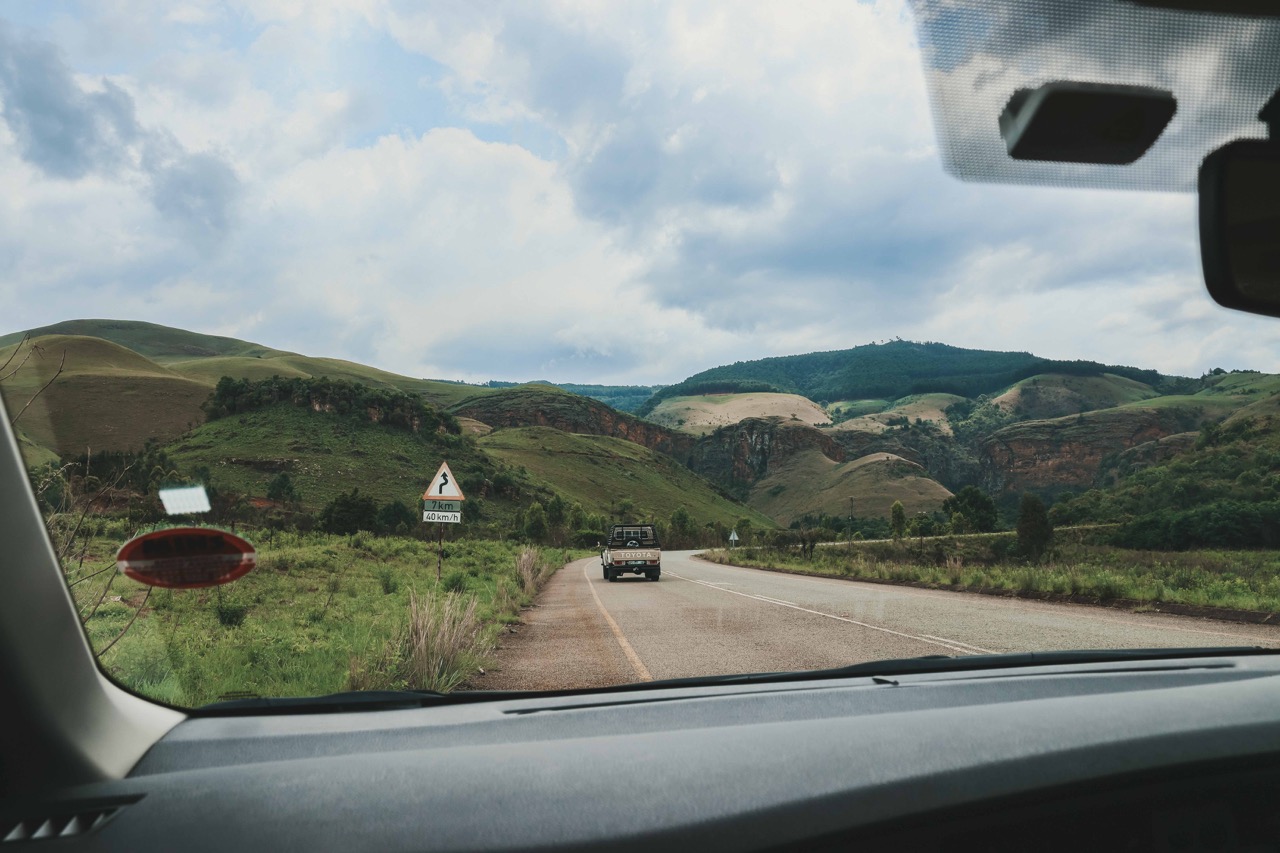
x: 703, y: 619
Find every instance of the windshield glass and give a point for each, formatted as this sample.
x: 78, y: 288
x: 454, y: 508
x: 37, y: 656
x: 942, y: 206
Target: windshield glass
x: 551, y: 346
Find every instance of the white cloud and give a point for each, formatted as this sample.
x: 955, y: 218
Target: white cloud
x: 602, y: 192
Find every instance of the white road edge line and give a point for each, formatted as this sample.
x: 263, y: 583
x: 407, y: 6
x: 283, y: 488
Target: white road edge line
x: 638, y: 665
x: 954, y: 645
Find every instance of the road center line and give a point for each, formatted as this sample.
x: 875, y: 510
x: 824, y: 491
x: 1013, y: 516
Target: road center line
x: 642, y: 672
x: 954, y: 645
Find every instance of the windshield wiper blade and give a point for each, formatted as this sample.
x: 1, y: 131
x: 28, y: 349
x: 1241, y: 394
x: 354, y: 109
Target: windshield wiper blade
x: 373, y: 700
x: 946, y: 663
x: 337, y: 703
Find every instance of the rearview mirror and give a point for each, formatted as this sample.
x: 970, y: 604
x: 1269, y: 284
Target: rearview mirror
x: 1240, y: 225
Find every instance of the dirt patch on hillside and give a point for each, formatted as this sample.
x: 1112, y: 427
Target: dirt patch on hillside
x: 701, y: 415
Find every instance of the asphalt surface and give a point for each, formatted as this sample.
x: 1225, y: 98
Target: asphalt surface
x: 703, y: 619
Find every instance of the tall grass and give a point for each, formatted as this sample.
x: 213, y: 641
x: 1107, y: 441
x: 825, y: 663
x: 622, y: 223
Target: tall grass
x: 437, y: 649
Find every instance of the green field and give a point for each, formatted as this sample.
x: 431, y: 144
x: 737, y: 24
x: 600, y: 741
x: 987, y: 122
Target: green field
x: 599, y: 472
x: 319, y: 615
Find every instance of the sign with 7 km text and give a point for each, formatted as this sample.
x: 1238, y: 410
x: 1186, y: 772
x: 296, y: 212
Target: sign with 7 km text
x: 442, y: 501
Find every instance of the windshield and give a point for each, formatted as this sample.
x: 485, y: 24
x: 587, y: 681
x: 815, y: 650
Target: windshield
x: 542, y: 346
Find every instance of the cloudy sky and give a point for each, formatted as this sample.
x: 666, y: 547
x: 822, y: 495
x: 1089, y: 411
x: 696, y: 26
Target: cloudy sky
x: 576, y: 191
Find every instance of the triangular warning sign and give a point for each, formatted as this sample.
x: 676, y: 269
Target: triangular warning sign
x: 444, y: 487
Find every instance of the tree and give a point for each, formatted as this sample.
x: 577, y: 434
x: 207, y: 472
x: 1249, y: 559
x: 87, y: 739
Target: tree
x: 349, y: 512
x: 897, y: 519
x: 535, y: 522
x: 557, y: 511
x: 1035, y: 532
x: 977, y: 506
x: 396, y: 517
x: 282, y: 490
x: 681, y: 527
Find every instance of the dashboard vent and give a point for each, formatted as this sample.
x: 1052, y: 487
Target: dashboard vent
x: 60, y: 820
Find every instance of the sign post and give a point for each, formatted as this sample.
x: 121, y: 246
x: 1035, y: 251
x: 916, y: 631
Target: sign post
x: 733, y: 537
x: 442, y: 503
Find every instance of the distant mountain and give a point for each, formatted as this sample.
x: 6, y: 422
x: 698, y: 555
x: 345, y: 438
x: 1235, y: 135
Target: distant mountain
x: 886, y: 371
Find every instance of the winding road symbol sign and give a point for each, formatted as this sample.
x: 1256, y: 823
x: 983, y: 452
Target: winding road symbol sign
x: 444, y: 486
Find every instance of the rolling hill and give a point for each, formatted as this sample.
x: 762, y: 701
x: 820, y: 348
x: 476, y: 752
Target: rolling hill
x: 809, y: 483
x: 107, y: 397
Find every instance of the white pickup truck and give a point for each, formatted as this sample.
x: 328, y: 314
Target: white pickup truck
x: 632, y: 549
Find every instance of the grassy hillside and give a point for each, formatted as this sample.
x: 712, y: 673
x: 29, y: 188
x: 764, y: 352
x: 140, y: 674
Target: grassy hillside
x: 702, y: 414
x: 107, y: 397
x: 326, y: 454
x: 599, y: 472
x: 158, y: 343
x: 1055, y: 395
x: 808, y: 483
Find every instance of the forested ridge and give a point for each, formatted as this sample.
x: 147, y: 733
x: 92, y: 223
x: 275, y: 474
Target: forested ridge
x: 890, y: 371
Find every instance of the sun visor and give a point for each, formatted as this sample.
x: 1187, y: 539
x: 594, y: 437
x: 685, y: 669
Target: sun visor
x: 982, y: 56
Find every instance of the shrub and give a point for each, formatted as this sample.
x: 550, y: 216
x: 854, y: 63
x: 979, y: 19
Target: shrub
x: 231, y: 615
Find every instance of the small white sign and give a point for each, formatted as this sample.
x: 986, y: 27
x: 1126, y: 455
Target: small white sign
x: 733, y: 536
x: 444, y: 486
x: 443, y: 506
x: 442, y: 517
x: 184, y: 500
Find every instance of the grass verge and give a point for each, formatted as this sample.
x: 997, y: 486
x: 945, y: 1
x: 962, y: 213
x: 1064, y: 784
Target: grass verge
x: 1231, y: 580
x: 320, y: 614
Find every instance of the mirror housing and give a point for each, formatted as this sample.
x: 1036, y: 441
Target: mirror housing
x: 1239, y: 188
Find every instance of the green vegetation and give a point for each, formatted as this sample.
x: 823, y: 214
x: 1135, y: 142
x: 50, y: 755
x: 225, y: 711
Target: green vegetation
x: 1242, y: 580
x: 1222, y: 492
x: 600, y: 472
x: 1035, y: 533
x: 320, y: 614
x: 377, y: 405
x: 326, y: 454
x: 975, y: 507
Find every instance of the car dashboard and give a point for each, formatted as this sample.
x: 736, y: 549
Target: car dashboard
x: 1166, y: 754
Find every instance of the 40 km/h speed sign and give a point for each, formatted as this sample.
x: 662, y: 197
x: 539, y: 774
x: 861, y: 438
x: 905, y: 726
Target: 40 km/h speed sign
x: 442, y: 501
x: 442, y: 504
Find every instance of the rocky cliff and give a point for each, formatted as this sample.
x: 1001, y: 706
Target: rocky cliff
x: 525, y: 406
x: 1063, y: 453
x: 739, y: 455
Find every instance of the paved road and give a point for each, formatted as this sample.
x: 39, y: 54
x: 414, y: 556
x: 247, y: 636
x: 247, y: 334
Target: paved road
x: 703, y: 618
